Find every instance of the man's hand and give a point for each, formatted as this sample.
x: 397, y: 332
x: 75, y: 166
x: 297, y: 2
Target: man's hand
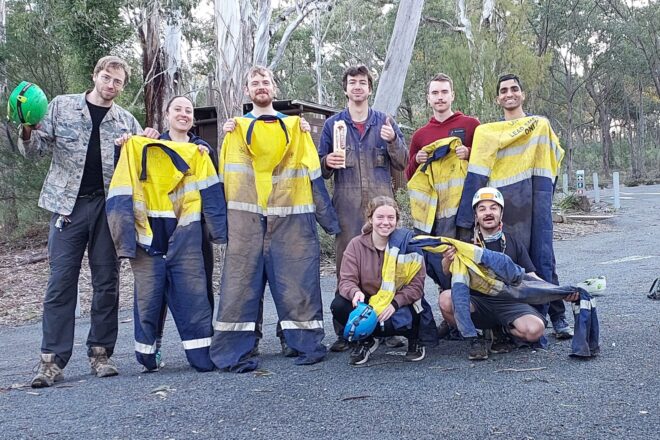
x: 230, y: 125
x: 202, y: 149
x: 304, y: 125
x: 386, y: 314
x: 572, y: 297
x: 151, y: 133
x: 387, y: 132
x: 335, y: 160
x: 357, y: 297
x: 463, y: 152
x: 121, y: 140
x: 421, y: 156
x: 447, y: 258
x: 27, y: 131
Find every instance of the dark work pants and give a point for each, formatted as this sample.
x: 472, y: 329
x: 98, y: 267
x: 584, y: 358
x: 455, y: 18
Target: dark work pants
x: 341, y: 309
x: 208, y: 256
x: 88, y: 229
x: 557, y: 310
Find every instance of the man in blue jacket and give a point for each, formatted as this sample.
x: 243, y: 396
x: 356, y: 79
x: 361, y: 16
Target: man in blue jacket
x: 374, y: 144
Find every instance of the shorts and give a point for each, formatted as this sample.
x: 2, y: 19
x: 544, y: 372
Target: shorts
x: 491, y: 312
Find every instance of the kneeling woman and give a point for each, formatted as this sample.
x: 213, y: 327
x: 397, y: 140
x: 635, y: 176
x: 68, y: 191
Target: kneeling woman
x: 361, y: 280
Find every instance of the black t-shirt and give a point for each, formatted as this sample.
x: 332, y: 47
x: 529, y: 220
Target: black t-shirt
x: 92, y: 178
x: 515, y: 250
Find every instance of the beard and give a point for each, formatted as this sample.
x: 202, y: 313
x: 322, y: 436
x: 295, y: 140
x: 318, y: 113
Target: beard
x: 262, y: 99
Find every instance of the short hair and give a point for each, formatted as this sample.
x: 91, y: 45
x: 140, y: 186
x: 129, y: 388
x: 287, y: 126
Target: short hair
x: 507, y: 77
x: 115, y: 63
x: 441, y: 77
x: 355, y: 71
x: 259, y: 70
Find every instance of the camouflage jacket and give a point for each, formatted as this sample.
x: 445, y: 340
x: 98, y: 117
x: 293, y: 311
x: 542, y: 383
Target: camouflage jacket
x: 65, y: 130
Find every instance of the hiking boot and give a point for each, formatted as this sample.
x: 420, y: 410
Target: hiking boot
x: 500, y: 342
x: 562, y: 329
x: 478, y: 349
x: 101, y: 366
x: 340, y: 345
x: 363, y: 350
x: 416, y: 352
x: 395, y: 341
x: 443, y: 330
x: 288, y: 351
x: 48, y: 372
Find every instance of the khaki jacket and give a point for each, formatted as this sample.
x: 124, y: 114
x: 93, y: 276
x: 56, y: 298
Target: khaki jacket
x: 65, y: 130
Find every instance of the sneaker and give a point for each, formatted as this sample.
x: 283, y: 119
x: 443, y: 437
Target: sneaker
x: 443, y: 330
x: 288, y: 351
x: 363, y: 350
x: 478, y: 349
x: 562, y: 329
x: 48, y: 372
x: 101, y: 366
x: 395, y: 341
x: 416, y: 352
x: 340, y: 345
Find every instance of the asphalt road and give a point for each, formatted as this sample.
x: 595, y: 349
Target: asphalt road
x: 616, y: 395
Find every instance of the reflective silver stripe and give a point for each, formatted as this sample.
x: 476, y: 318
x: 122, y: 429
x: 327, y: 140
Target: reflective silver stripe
x: 160, y: 214
x: 392, y: 250
x: 276, y: 210
x: 190, y: 218
x: 196, y: 343
x: 443, y: 186
x: 120, y: 191
x: 290, y: 174
x: 478, y: 254
x: 424, y: 227
x: 315, y: 173
x: 478, y: 169
x: 446, y: 213
x: 512, y: 151
x: 388, y: 286
x: 543, y: 172
x: 511, y: 180
x: 235, y: 326
x: 242, y: 206
x: 555, y: 147
x: 238, y: 168
x: 143, y: 239
x: 221, y: 178
x: 209, y: 181
x: 410, y: 258
x: 460, y: 278
x: 287, y: 210
x: 301, y: 325
x: 424, y: 198
x: 144, y: 348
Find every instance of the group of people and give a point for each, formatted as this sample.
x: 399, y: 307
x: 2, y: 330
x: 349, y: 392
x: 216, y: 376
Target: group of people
x: 263, y: 194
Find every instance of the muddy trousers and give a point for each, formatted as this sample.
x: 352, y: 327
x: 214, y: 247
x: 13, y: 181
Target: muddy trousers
x: 178, y: 280
x: 87, y: 229
x: 283, y: 251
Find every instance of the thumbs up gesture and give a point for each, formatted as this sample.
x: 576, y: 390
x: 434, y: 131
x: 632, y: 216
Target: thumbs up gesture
x: 387, y: 131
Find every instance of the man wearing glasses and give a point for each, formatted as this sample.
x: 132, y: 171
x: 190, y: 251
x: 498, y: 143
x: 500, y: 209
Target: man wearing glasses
x: 81, y: 131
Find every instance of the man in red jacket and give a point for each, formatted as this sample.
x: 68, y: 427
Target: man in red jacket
x: 444, y: 123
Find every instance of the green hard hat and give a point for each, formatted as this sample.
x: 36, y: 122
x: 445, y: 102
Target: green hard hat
x: 27, y: 104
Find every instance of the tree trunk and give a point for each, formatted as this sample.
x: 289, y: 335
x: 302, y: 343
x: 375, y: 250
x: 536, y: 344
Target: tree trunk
x: 317, y: 41
x: 397, y: 59
x: 172, y: 56
x: 234, y: 49
x: 262, y: 37
x: 8, y: 171
x: 152, y: 66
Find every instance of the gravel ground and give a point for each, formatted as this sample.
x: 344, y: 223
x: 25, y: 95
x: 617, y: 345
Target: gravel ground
x: 521, y: 395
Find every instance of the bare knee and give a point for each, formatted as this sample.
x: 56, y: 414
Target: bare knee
x: 444, y: 302
x: 529, y: 327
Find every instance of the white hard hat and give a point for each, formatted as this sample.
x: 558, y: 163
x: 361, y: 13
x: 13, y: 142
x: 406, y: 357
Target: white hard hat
x: 488, y: 193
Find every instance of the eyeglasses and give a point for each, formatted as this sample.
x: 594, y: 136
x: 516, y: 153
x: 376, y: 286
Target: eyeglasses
x: 116, y: 82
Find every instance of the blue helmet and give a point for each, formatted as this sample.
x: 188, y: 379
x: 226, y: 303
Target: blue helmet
x: 361, y: 323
